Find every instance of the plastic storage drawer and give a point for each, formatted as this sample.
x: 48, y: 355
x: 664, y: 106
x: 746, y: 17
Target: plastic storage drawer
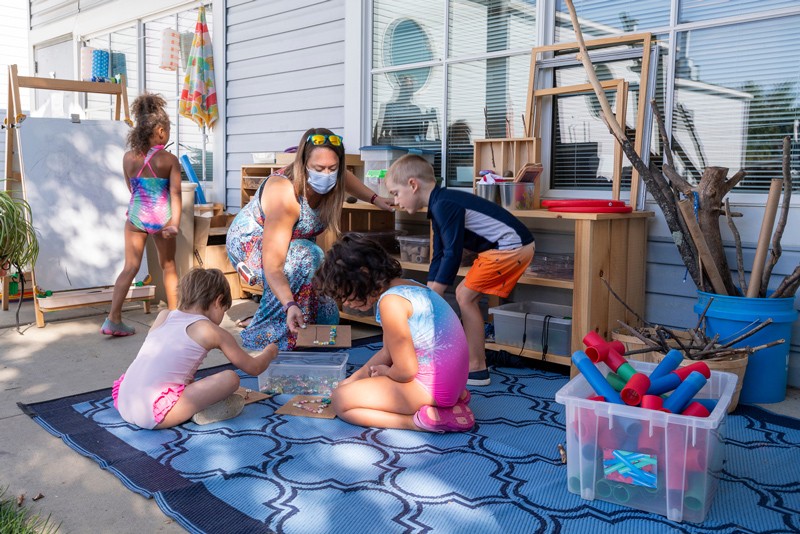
x: 529, y: 324
x: 415, y: 248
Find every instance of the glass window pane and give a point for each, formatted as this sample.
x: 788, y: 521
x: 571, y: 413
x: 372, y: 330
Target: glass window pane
x: 190, y: 136
x: 582, y: 146
x: 736, y: 97
x: 406, y: 113
x: 480, y: 27
x: 485, y: 99
x: 610, y: 17
x: 99, y: 107
x: 125, y: 58
x: 697, y: 10
x: 403, y: 39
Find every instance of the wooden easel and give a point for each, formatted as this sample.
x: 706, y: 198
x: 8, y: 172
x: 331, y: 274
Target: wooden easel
x: 15, y: 183
x: 533, y: 111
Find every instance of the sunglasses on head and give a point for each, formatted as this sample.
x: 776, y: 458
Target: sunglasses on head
x: 320, y: 139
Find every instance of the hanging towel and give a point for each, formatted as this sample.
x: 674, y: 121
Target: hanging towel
x: 186, y: 47
x: 170, y: 49
x: 100, y: 64
x: 118, y: 64
x: 87, y: 54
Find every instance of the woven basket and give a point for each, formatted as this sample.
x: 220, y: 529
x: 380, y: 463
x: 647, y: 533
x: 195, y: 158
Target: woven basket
x: 736, y: 364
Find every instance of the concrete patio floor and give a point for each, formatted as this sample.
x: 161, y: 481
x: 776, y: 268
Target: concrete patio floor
x: 69, y: 356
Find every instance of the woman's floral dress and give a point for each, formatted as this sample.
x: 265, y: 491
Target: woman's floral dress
x: 302, y: 261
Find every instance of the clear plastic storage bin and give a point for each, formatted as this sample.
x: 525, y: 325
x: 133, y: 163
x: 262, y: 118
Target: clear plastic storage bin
x: 304, y: 373
x: 673, y: 461
x: 532, y: 320
x: 385, y: 238
x: 415, y: 248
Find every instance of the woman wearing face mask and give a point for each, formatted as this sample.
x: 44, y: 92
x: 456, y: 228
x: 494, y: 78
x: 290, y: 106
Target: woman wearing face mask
x: 274, y: 236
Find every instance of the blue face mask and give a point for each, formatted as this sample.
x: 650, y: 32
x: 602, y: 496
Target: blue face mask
x: 321, y: 182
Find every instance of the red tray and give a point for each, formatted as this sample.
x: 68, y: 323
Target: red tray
x: 589, y: 209
x: 581, y: 203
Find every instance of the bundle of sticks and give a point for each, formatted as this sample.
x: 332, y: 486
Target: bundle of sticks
x: 694, y: 343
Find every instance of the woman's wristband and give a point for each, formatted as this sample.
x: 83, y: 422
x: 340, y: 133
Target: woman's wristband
x: 372, y: 200
x: 285, y: 307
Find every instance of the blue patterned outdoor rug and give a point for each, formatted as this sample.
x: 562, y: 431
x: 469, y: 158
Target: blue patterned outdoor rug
x: 263, y: 472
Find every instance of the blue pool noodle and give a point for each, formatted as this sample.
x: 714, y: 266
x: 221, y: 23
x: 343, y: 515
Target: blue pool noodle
x: 670, y: 362
x: 595, y: 378
x: 683, y: 395
x: 664, y: 384
x: 199, y: 196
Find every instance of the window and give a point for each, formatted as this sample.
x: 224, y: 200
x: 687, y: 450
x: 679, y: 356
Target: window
x: 444, y: 81
x: 186, y: 136
x: 122, y: 47
x: 725, y: 80
x: 736, y: 97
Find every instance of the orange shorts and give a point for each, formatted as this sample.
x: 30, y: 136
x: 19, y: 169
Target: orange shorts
x: 496, y: 272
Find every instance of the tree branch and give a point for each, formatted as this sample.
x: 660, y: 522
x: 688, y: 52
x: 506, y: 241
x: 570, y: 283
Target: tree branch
x: 662, y: 130
x: 788, y: 286
x: 776, y: 250
x: 738, y: 240
x: 731, y: 183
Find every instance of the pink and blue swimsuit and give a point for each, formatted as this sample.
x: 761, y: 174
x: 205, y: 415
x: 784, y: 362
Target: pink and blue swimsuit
x: 150, y: 209
x: 439, y: 341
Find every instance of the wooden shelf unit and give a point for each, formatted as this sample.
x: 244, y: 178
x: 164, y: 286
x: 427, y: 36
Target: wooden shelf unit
x: 608, y: 246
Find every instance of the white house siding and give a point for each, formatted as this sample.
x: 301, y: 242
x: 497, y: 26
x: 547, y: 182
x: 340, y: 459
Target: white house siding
x: 284, y: 74
x: 14, y: 51
x: 670, y: 300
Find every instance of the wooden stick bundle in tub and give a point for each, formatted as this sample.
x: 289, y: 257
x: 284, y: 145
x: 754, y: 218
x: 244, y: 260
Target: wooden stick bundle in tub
x: 764, y: 236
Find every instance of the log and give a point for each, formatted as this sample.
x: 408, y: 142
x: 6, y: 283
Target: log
x: 711, y: 190
x: 709, y: 265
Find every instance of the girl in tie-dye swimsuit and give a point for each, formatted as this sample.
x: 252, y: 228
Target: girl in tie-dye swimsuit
x: 149, y: 209
x: 154, y: 178
x: 416, y: 381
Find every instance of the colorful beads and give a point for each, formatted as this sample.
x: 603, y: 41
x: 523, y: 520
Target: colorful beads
x: 300, y: 385
x: 331, y: 339
x: 323, y: 403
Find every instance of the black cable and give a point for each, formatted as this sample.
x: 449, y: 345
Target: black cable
x: 524, y: 333
x: 545, y: 336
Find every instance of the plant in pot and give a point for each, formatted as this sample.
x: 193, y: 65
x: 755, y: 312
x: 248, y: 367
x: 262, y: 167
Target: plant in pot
x: 692, y: 213
x: 19, y: 247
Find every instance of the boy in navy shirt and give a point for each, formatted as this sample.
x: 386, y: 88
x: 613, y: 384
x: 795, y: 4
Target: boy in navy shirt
x: 461, y: 221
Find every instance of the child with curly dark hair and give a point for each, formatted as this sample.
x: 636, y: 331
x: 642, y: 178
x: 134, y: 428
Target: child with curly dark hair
x: 416, y: 381
x: 153, y: 176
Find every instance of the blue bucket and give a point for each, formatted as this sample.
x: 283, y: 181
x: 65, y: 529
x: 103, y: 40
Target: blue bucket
x: 765, y: 378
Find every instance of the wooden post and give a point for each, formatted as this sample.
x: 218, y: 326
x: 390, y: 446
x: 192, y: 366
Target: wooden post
x: 767, y: 223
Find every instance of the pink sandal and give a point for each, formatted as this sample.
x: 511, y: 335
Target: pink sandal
x: 458, y: 418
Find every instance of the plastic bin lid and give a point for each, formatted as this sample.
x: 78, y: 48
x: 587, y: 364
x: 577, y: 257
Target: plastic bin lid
x: 410, y: 150
x: 311, y: 358
x: 414, y: 239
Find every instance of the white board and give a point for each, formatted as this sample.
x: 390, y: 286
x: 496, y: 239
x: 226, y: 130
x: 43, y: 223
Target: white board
x: 76, y: 189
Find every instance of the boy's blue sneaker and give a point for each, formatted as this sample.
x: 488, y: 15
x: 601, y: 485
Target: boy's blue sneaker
x: 479, y: 378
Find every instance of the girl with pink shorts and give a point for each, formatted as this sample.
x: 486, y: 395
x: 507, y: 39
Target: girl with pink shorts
x: 416, y: 381
x: 159, y: 390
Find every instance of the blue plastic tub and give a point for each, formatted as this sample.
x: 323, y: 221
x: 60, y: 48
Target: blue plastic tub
x: 767, y: 370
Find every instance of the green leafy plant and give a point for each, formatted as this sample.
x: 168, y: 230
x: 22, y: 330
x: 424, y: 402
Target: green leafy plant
x: 16, y: 519
x: 19, y: 247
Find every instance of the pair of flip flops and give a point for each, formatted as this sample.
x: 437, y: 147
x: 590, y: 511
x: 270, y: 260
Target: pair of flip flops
x: 457, y: 418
